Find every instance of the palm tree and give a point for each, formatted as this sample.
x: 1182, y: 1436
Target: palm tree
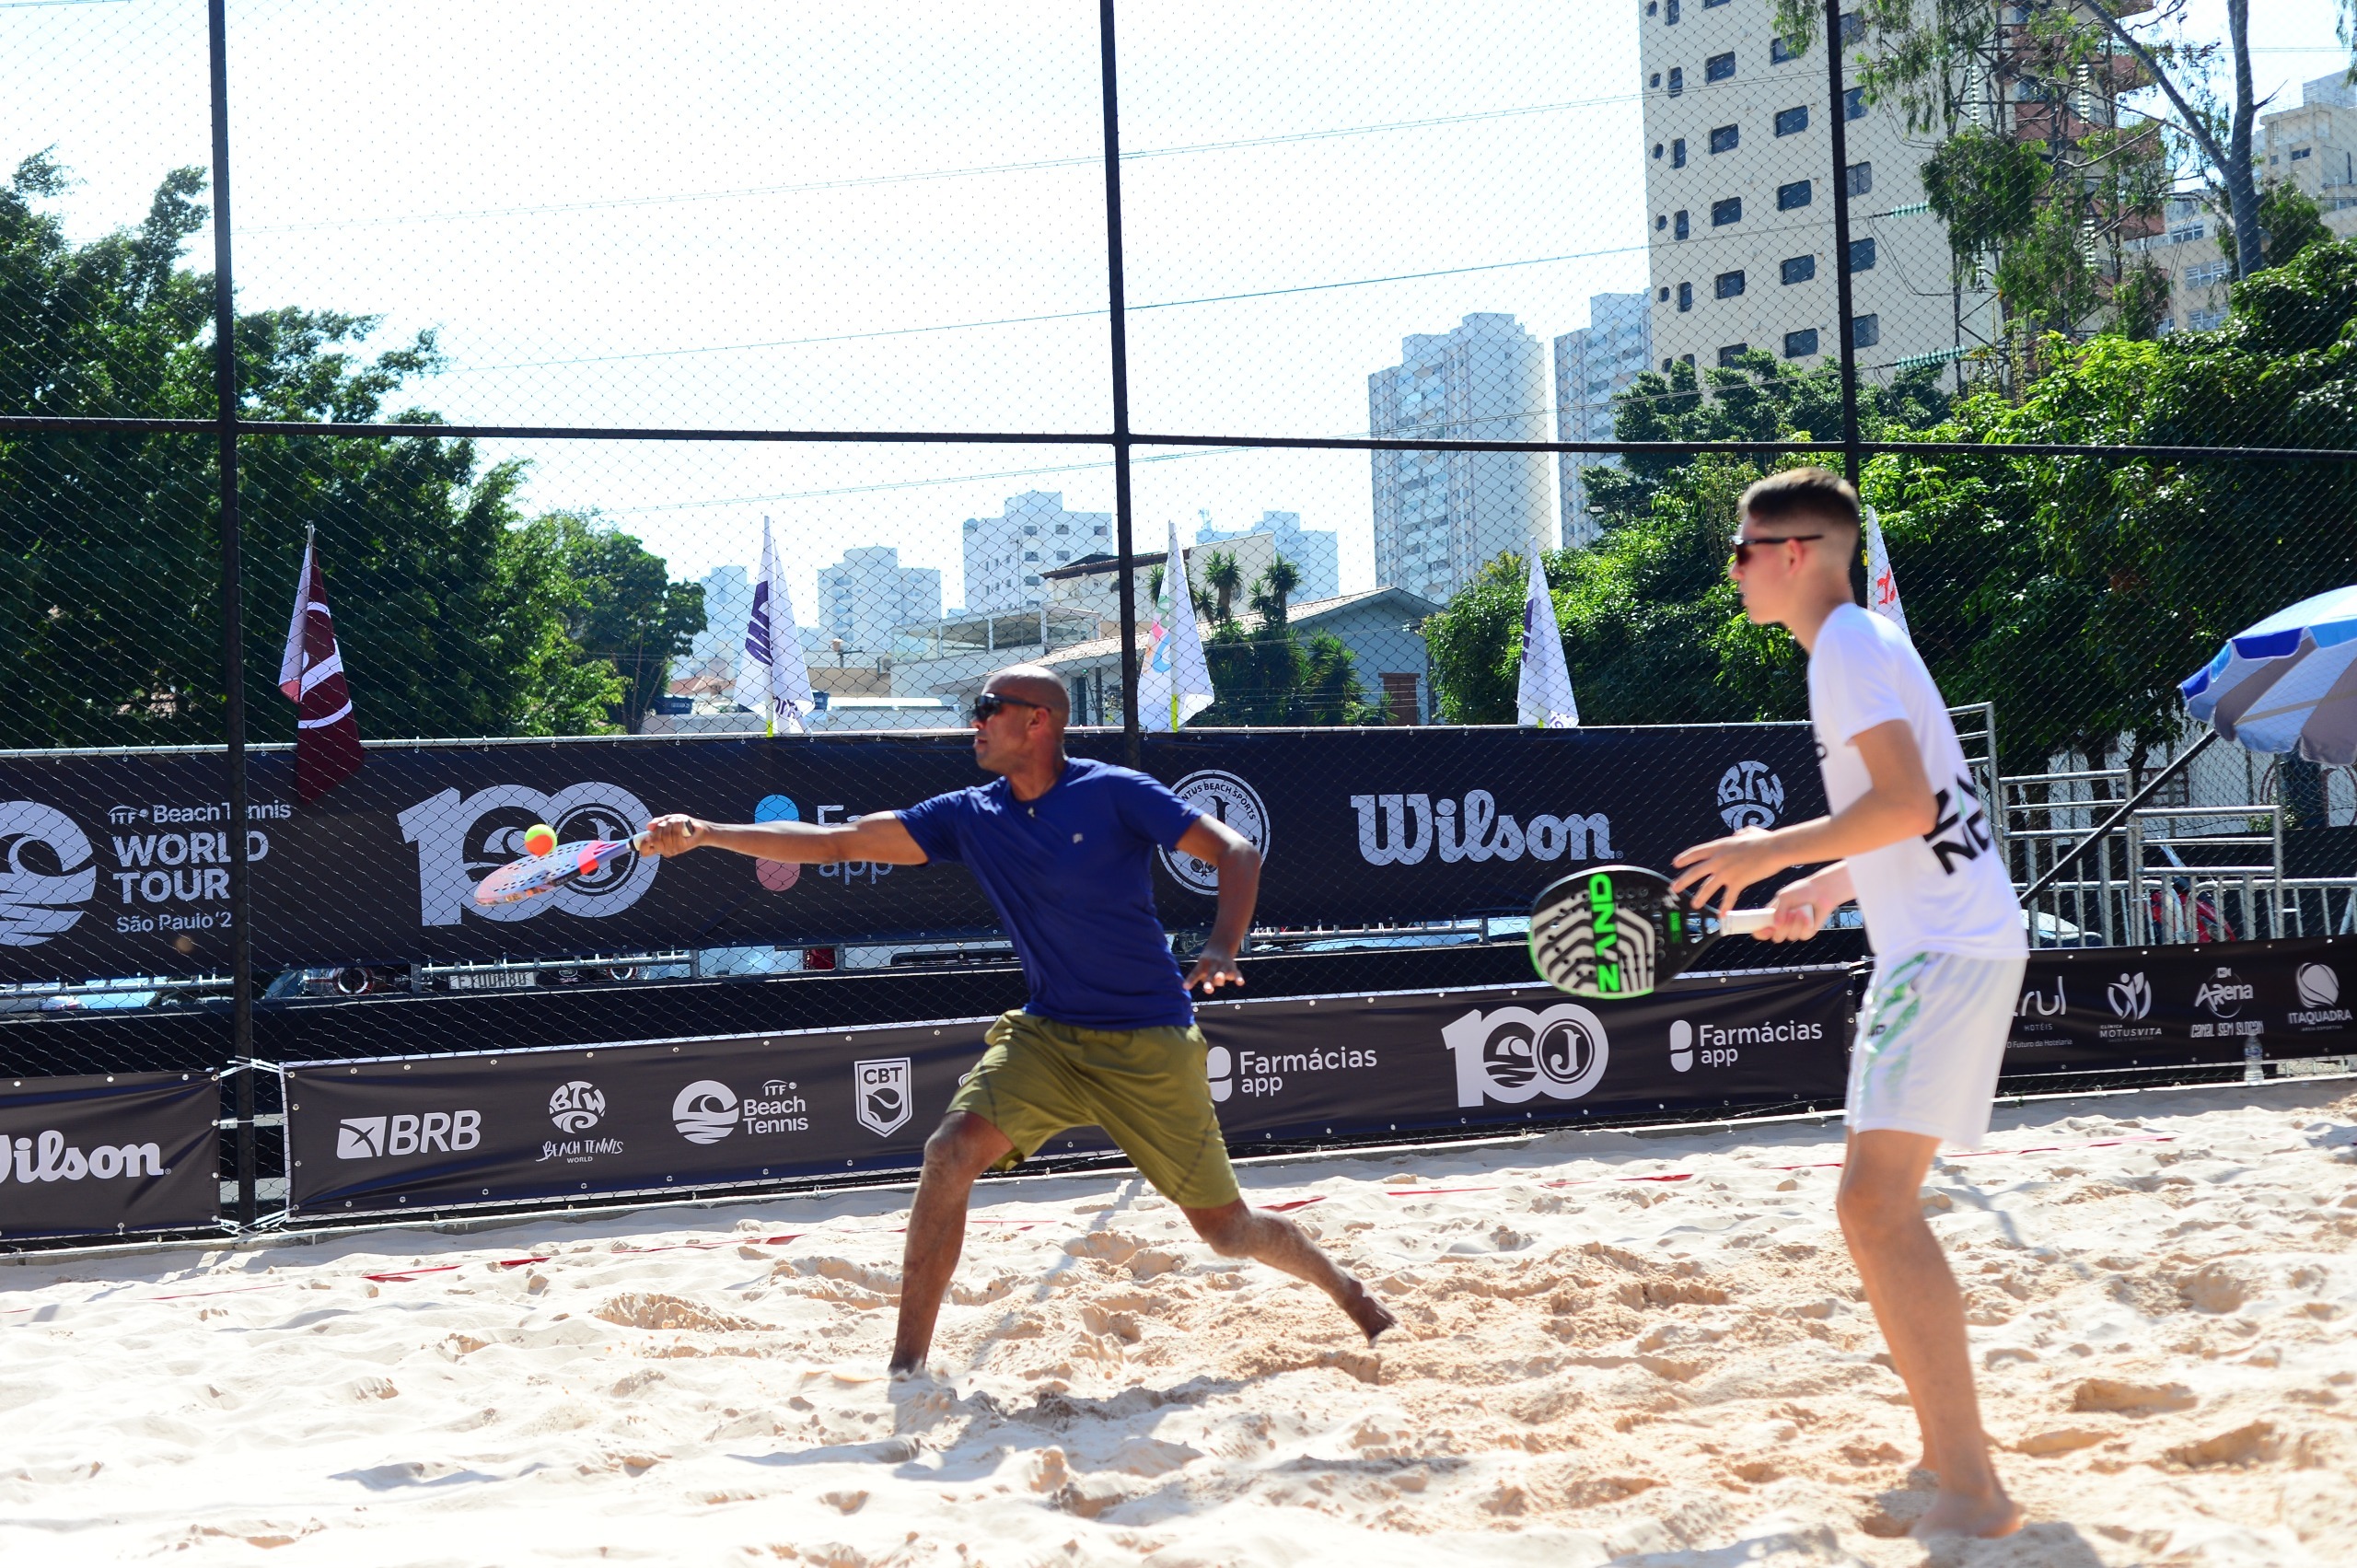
x: 1275, y: 586
x: 1224, y: 578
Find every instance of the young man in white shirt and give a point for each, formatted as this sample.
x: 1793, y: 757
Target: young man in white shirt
x: 1908, y: 840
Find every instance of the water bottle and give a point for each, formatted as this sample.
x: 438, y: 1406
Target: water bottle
x: 2254, y: 1061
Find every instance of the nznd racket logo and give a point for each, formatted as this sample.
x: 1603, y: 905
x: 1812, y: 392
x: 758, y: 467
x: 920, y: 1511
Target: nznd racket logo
x: 427, y: 1132
x: 1401, y: 830
x: 882, y: 1096
x: 1750, y: 795
x: 1224, y: 797
x: 461, y: 839
x: 1512, y: 1054
x: 46, y: 873
x: 46, y: 1156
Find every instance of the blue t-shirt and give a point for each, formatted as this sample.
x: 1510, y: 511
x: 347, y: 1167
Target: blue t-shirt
x: 1071, y: 875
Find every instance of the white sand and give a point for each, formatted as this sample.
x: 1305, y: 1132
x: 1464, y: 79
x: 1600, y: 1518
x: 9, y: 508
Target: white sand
x: 1594, y: 1366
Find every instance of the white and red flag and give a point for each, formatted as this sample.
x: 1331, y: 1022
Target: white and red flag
x: 327, y: 738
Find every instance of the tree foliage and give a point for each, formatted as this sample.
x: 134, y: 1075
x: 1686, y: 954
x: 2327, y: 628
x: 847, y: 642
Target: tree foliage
x: 1266, y: 673
x: 456, y: 615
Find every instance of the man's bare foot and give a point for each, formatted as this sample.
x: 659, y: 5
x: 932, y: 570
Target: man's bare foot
x: 1373, y: 1317
x: 901, y: 1370
x: 1956, y: 1514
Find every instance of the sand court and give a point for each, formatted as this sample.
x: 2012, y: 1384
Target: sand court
x: 1613, y: 1349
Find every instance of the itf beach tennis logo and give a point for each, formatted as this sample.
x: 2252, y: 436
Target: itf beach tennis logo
x: 45, y: 873
x: 576, y: 1107
x: 882, y: 1096
x: 1224, y: 797
x: 462, y: 839
x: 1750, y: 795
x: 1512, y: 1054
x: 705, y: 1112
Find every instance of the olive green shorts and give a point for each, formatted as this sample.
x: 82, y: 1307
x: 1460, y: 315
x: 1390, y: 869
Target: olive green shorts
x: 1145, y: 1087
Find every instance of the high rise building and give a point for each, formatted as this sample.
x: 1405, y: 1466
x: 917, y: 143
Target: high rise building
x: 1439, y: 516
x: 1738, y: 164
x: 1594, y: 366
x: 1313, y: 552
x: 1005, y: 554
x: 868, y: 595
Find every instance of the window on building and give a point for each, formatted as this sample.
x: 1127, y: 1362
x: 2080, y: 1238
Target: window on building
x: 1799, y: 269
x: 1792, y: 121
x: 1678, y: 152
x: 1652, y: 7
x: 1676, y: 80
x: 1726, y: 138
x: 1853, y: 104
x: 1853, y: 28
x: 1660, y: 221
x: 1687, y: 358
x: 1670, y: 19
x: 1800, y: 344
x: 1680, y: 225
x: 1665, y: 365
x: 1712, y: 5
x: 1030, y: 555
x: 1864, y: 330
x: 1799, y: 193
x: 1862, y: 255
x: 1780, y: 50
x: 1861, y: 179
x: 1032, y: 581
x: 1102, y: 530
x: 1726, y: 209
x: 1655, y: 81
x: 1657, y: 152
x: 2299, y: 153
x: 1664, y: 296
x: 1719, y: 67
x: 2207, y: 273
x: 1686, y: 297
x: 1731, y: 353
x: 1726, y: 286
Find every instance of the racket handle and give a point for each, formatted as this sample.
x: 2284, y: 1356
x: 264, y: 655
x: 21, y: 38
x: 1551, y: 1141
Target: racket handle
x: 1747, y: 923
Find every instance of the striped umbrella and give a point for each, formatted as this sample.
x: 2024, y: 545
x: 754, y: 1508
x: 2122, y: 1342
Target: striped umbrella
x: 2289, y: 683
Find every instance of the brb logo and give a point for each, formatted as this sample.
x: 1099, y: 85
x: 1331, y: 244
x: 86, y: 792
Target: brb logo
x: 462, y: 839
x: 1225, y: 799
x: 45, y: 873
x: 881, y: 1097
x: 1514, y: 1054
x: 434, y: 1132
x: 1750, y: 795
x: 576, y: 1107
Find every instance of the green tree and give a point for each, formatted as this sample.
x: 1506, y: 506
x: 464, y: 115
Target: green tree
x: 1266, y: 674
x: 629, y: 614
x: 2289, y: 221
x: 1223, y: 577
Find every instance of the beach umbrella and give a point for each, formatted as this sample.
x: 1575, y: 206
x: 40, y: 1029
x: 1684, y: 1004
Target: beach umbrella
x: 2287, y: 684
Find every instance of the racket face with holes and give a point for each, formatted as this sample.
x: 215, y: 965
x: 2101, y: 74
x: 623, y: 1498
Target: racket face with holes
x: 1615, y: 931
x: 537, y: 874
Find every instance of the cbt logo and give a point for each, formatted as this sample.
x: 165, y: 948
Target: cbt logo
x: 461, y: 839
x: 45, y: 873
x: 1750, y: 795
x: 1224, y: 797
x: 881, y: 1096
x: 1513, y: 1054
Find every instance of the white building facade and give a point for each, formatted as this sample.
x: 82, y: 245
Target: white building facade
x: 1004, y: 555
x: 1440, y: 516
x: 867, y: 595
x: 1316, y: 552
x: 1594, y: 366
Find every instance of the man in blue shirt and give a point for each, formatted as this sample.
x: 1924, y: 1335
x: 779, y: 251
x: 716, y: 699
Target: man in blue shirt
x: 1064, y: 852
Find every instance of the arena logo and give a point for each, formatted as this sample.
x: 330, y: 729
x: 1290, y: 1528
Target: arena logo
x: 46, y: 873
x: 2319, y: 988
x: 1401, y: 830
x: 1512, y: 1054
x: 708, y: 1110
x: 1224, y: 797
x: 1750, y: 795
x: 426, y: 1133
x: 462, y: 839
x: 883, y: 1095
x: 46, y: 1156
x: 1713, y: 1046
x: 2223, y: 994
x: 1259, y: 1072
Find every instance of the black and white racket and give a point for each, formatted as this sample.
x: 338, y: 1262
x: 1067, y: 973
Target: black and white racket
x: 1620, y: 931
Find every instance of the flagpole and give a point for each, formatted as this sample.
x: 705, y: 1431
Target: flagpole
x: 233, y: 651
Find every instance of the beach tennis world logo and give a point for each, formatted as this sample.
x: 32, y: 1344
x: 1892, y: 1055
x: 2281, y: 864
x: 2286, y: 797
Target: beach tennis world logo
x: 575, y: 1107
x: 1512, y: 1054
x: 461, y: 839
x: 1750, y: 795
x: 1222, y: 797
x: 46, y: 874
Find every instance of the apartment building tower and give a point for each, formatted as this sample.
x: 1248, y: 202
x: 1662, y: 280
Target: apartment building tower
x: 1439, y: 515
x: 868, y: 595
x: 1315, y: 553
x: 1004, y: 555
x: 1594, y: 366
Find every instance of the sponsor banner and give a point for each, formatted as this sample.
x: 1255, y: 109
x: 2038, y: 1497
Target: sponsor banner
x: 449, y: 1132
x: 108, y: 1153
x: 117, y: 864
x: 2160, y: 1007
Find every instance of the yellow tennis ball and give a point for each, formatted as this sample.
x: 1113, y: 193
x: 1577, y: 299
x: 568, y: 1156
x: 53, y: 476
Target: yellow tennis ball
x: 540, y: 839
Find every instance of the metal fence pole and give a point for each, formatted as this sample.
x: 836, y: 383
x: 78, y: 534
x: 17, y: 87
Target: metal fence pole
x: 1849, y: 451
x: 1125, y: 516
x: 233, y: 651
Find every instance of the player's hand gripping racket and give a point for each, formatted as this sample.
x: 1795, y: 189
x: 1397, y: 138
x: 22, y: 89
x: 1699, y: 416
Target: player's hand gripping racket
x: 1620, y: 931
x: 537, y: 874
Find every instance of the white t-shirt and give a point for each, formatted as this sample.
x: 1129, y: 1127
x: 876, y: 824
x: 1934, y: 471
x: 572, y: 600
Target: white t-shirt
x: 1945, y: 892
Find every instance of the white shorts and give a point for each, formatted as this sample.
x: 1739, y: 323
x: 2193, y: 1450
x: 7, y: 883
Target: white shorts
x: 1930, y: 1040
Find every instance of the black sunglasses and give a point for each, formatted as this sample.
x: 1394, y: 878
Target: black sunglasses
x: 1744, y: 546
x: 990, y: 704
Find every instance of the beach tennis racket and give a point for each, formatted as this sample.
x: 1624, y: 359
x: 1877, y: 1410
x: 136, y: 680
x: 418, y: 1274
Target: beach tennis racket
x: 1620, y: 931
x: 537, y: 874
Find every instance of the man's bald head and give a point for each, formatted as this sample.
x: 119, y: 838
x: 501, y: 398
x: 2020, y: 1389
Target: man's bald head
x: 1036, y: 684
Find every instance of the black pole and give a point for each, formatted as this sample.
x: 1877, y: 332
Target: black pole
x: 233, y: 650
x: 1124, y: 519
x: 1838, y: 95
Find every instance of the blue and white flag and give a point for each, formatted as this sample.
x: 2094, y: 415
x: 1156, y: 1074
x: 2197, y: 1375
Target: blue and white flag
x: 1174, y: 682
x: 1544, y: 695
x: 772, y: 678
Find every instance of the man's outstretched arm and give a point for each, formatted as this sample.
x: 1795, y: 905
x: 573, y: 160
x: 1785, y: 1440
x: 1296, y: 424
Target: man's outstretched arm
x: 1240, y: 888
x: 878, y: 837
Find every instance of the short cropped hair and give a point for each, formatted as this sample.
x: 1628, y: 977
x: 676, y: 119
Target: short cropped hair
x: 1803, y: 493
